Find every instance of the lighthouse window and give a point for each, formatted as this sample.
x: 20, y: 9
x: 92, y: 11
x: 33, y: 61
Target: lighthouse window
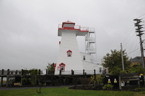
x: 84, y: 58
x: 69, y: 53
x: 68, y: 25
x: 62, y: 68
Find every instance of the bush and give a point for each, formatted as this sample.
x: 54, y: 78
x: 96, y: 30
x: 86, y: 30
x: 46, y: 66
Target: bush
x: 24, y: 81
x: 107, y: 86
x: 97, y: 81
x: 123, y: 72
x: 82, y: 80
x: 137, y: 69
x: 115, y: 71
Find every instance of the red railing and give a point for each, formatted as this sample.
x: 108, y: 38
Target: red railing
x: 76, y: 27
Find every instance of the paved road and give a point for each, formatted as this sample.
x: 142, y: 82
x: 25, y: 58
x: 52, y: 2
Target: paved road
x: 13, y: 88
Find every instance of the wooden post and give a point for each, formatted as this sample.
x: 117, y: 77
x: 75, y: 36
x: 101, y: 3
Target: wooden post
x: 16, y: 72
x: 39, y: 72
x: 46, y: 72
x: 138, y: 81
x: 2, y: 77
x: 1, y: 81
x: 35, y: 77
x: 52, y: 79
x: 72, y: 72
x: 21, y: 77
x: 119, y: 82
x: 59, y: 72
x: 7, y: 83
x: 95, y: 74
x: 83, y: 71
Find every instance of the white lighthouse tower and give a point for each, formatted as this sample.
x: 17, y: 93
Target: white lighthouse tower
x: 69, y: 57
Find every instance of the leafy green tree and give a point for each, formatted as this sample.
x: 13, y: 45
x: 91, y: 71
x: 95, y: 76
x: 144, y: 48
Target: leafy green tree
x: 50, y: 68
x: 137, y: 69
x: 113, y: 61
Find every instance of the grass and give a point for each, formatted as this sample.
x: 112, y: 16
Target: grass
x: 3, y: 82
x: 66, y: 92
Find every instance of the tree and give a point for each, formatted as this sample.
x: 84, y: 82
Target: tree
x: 114, y: 61
x: 50, y: 68
x: 136, y: 68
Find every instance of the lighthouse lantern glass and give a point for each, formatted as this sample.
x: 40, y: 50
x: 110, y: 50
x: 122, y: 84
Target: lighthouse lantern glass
x: 68, y: 25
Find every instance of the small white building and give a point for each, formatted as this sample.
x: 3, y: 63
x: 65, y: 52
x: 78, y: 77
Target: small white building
x: 69, y: 57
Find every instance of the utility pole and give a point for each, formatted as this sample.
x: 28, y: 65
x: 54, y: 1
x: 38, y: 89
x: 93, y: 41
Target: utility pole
x: 140, y: 32
x: 122, y: 58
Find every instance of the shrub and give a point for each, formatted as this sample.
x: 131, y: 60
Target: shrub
x: 115, y: 71
x: 137, y: 69
x: 107, y: 86
x: 123, y: 72
x: 83, y: 80
x: 98, y: 80
x: 24, y: 81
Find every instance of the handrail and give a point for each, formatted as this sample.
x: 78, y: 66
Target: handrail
x: 76, y: 27
x: 59, y: 25
x: 84, y: 28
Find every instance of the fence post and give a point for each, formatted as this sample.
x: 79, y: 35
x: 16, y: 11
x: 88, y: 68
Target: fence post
x: 39, y: 71
x: 83, y: 71
x: 2, y: 77
x: 119, y: 82
x: 21, y: 77
x: 7, y: 84
x: 95, y: 74
x: 72, y: 72
x: 100, y: 69
x: 138, y: 80
x: 60, y: 72
x: 35, y: 76
x: 16, y: 72
x: 46, y: 71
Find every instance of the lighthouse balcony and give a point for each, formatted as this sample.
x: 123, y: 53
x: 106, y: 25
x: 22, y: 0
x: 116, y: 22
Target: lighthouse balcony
x: 91, y: 30
x: 91, y: 51
x: 80, y: 31
x: 90, y: 39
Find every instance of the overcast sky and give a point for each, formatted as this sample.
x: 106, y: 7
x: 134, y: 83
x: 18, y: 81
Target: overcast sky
x: 28, y: 28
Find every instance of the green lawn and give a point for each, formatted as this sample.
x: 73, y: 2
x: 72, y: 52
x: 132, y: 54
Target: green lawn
x: 3, y: 82
x: 66, y: 92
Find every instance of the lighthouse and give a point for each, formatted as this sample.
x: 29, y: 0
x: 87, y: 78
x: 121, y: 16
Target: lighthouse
x: 69, y: 56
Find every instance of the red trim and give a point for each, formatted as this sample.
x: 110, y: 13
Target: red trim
x: 80, y: 29
x: 62, y: 64
x: 54, y: 66
x: 68, y: 54
x: 69, y: 51
x: 68, y: 22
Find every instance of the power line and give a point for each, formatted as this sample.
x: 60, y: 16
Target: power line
x: 127, y: 35
x: 141, y: 15
x: 129, y: 39
x: 133, y: 50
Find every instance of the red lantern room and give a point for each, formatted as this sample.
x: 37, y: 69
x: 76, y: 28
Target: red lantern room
x: 65, y: 26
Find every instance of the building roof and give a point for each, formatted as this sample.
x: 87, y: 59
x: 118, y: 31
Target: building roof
x: 137, y: 59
